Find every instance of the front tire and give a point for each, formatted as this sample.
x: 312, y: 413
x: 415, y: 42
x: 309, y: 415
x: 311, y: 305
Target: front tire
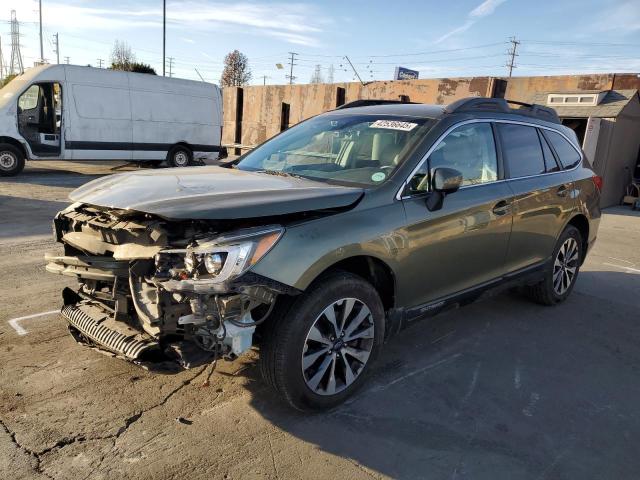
x: 180, y: 156
x: 319, y: 346
x: 560, y: 279
x: 11, y: 160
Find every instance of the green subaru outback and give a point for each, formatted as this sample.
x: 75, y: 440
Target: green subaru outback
x: 325, y: 241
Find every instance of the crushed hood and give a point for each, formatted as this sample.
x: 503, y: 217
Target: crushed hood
x: 213, y: 193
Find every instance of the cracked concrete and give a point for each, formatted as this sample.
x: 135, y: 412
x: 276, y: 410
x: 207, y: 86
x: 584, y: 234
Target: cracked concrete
x: 442, y: 402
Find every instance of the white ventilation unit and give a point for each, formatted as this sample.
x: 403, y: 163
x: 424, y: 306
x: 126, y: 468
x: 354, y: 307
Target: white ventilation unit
x: 575, y: 99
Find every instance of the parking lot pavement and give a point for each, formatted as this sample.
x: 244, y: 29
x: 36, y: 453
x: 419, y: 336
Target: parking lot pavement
x: 500, y: 389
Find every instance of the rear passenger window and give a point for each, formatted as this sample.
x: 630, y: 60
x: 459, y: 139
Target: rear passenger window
x: 568, y: 155
x: 549, y: 160
x: 521, y: 149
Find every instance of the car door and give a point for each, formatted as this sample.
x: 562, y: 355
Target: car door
x: 542, y: 194
x: 464, y: 243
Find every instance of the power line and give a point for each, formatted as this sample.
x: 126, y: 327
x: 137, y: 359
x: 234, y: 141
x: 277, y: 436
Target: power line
x: 291, y: 65
x: 512, y: 54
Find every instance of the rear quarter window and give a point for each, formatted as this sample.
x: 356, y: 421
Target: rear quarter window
x: 567, y: 154
x: 521, y: 149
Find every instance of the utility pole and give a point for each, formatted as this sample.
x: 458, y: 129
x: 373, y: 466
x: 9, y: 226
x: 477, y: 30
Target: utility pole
x: 15, y: 66
x: 100, y: 62
x: 512, y: 54
x: 57, y: 50
x: 354, y: 69
x: 41, y: 49
x: 170, y: 66
x: 164, y: 34
x: 291, y: 65
x: 264, y: 79
x: 66, y: 60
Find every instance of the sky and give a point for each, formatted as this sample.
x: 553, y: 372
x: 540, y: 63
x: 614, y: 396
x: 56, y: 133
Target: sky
x: 439, y: 39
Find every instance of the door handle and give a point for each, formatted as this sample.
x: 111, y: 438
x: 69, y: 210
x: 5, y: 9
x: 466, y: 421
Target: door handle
x: 562, y: 191
x: 501, y: 208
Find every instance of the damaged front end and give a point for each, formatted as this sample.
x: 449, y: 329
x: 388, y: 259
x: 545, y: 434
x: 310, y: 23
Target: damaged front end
x: 163, y: 293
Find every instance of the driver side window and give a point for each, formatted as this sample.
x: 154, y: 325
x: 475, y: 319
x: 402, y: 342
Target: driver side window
x: 29, y: 99
x: 469, y: 149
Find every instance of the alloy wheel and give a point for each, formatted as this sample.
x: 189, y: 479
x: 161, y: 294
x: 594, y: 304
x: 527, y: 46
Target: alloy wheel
x: 8, y: 160
x: 181, y: 159
x: 338, y: 346
x: 565, y: 266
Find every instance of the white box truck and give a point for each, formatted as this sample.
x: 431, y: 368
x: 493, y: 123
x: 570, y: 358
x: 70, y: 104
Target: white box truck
x: 70, y: 112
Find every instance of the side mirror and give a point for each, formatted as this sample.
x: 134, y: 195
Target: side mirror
x: 446, y: 180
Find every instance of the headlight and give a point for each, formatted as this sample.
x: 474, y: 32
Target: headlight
x: 229, y: 256
x: 214, y: 262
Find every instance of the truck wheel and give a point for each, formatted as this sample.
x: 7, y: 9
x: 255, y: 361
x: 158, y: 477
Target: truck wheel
x: 318, y: 348
x: 179, y: 156
x: 11, y: 160
x: 560, y: 279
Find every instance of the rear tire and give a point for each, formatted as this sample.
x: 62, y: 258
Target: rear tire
x: 180, y: 156
x: 313, y: 363
x: 560, y: 278
x: 11, y: 160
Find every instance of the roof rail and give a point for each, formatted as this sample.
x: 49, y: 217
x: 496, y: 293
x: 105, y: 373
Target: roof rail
x: 482, y: 104
x: 368, y: 103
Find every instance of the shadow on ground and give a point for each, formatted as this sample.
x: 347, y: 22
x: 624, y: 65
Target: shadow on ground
x: 503, y: 388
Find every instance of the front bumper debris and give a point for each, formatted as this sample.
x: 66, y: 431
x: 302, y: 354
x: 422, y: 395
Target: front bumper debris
x: 107, y: 333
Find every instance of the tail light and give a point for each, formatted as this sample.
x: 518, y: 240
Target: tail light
x: 597, y: 181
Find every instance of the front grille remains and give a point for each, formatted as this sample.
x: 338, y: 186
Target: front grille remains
x: 112, y: 340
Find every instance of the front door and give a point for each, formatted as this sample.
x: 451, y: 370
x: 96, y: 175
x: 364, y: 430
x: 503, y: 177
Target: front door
x: 40, y: 118
x: 463, y: 244
x: 542, y: 194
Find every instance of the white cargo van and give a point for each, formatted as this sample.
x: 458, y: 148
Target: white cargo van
x: 82, y: 113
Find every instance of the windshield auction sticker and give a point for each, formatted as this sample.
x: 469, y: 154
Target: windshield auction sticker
x: 394, y: 125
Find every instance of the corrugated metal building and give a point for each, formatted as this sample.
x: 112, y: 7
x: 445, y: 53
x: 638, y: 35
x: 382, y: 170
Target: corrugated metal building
x: 608, y: 126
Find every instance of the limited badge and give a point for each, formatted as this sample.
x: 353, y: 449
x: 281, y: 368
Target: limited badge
x: 378, y: 177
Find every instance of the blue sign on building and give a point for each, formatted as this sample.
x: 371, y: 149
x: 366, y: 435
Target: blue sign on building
x: 403, y: 73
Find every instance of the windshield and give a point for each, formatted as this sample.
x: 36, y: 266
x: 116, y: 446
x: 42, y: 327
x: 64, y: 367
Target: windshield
x: 9, y: 91
x: 359, y: 149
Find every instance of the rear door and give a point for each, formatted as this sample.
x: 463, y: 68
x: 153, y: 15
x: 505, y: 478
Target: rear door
x: 542, y: 194
x: 463, y: 244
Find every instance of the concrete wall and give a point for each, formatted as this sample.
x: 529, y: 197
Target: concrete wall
x: 262, y: 105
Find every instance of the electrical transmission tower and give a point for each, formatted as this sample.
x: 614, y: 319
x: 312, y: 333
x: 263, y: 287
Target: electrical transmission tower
x: 291, y: 65
x: 511, y: 64
x: 57, y: 49
x: 100, y: 61
x: 170, y: 60
x: 15, y: 66
x: 2, y: 66
x: 330, y: 74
